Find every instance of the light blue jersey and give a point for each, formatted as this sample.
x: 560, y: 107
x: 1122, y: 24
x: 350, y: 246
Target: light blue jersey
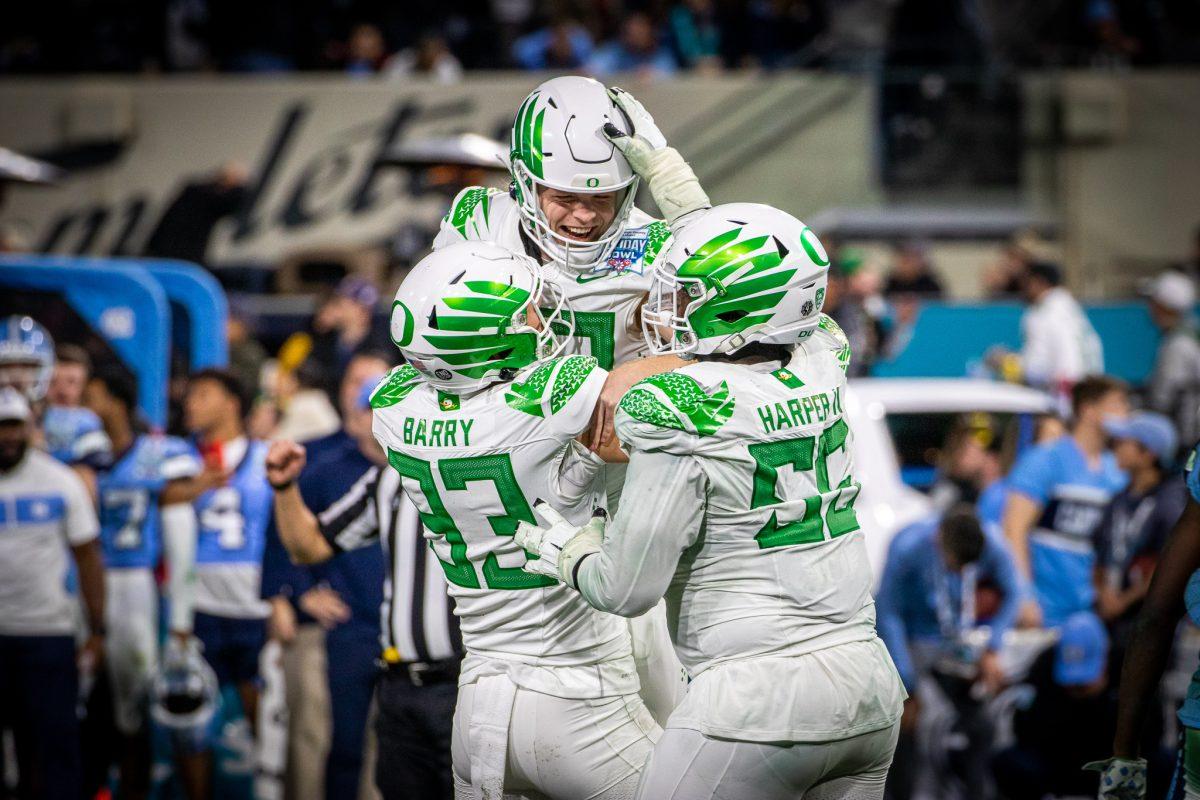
x: 232, y: 523
x: 1073, y: 496
x: 76, y: 436
x: 129, y: 490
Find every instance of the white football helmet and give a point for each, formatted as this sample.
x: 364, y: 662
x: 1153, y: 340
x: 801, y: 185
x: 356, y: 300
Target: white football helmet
x: 462, y: 317
x: 557, y: 143
x: 26, y: 357
x: 184, y: 695
x: 736, y: 274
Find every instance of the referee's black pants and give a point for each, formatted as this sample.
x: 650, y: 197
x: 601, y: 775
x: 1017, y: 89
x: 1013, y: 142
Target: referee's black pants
x: 412, y: 726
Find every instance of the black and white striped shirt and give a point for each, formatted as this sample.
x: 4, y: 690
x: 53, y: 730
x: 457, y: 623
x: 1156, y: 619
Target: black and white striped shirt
x: 417, y: 616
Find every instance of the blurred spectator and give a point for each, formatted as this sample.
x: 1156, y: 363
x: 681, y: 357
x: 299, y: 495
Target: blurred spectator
x: 1005, y: 278
x: 1069, y: 721
x: 306, y: 412
x: 1056, y: 500
x: 930, y: 617
x: 969, y: 463
x: 186, y: 226
x: 912, y: 273
x: 847, y: 311
x: 993, y: 498
x: 696, y: 33
x: 1174, y: 386
x: 365, y: 50
x: 1137, y: 521
x: 345, y: 324
x: 639, y: 49
x: 562, y: 45
x: 246, y: 355
x: 72, y: 367
x: 431, y: 56
x: 1059, y: 345
x: 772, y: 33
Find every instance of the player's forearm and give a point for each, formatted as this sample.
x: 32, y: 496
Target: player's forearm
x: 179, y: 546
x: 657, y: 521
x: 298, y: 528
x: 576, y: 474
x: 91, y: 581
x: 1019, y: 517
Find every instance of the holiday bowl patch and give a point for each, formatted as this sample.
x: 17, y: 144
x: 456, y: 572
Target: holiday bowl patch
x: 627, y: 255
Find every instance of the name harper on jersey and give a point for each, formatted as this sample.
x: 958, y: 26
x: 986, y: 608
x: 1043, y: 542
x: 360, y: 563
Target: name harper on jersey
x: 800, y: 411
x: 437, y: 432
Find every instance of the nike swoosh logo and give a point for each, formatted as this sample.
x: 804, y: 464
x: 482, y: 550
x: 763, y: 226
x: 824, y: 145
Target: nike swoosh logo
x: 584, y: 279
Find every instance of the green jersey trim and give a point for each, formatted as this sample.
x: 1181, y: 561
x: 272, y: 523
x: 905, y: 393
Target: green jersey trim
x: 396, y: 386
x: 549, y: 388
x: 678, y: 401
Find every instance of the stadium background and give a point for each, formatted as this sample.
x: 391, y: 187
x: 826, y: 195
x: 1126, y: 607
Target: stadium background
x: 964, y: 127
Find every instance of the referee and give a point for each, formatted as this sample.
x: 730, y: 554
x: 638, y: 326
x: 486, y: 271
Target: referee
x: 420, y: 640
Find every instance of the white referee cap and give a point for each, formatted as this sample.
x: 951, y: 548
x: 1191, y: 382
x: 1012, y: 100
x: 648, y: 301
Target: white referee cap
x: 13, y: 405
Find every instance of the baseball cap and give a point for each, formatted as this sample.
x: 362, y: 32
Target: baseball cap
x: 360, y: 290
x: 1153, y: 431
x: 1172, y: 290
x: 1082, y: 652
x: 13, y: 405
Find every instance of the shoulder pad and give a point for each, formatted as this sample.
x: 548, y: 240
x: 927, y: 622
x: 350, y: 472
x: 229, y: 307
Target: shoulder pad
x: 841, y: 342
x: 657, y: 236
x: 551, y: 386
x: 395, y: 386
x: 470, y: 211
x: 678, y: 401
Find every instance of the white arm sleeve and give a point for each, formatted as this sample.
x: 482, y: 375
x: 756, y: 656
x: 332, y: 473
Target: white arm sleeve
x: 575, y: 474
x: 662, y: 509
x: 179, y: 546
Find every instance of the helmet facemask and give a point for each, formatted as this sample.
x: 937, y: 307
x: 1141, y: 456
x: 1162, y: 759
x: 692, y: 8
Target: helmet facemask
x: 570, y: 254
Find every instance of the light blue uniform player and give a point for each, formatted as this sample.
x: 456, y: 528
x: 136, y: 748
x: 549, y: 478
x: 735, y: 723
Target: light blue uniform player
x: 72, y: 435
x: 230, y: 614
x: 1072, y: 495
x: 131, y: 536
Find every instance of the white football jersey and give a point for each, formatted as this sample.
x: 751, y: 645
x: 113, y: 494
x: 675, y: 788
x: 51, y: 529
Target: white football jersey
x: 605, y: 300
x: 781, y: 567
x: 474, y: 466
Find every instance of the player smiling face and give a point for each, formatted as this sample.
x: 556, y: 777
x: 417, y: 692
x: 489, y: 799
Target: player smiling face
x: 577, y: 216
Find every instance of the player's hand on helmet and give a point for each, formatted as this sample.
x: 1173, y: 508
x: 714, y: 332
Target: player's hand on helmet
x: 285, y: 460
x: 1120, y: 778
x: 645, y: 138
x: 672, y: 182
x: 557, y: 547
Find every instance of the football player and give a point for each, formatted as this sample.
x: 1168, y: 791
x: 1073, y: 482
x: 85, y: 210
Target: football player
x: 71, y: 434
x: 570, y: 207
x: 230, y: 618
x: 480, y: 424
x: 739, y: 507
x: 137, y: 516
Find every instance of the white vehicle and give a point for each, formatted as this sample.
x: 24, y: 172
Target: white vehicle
x: 897, y: 422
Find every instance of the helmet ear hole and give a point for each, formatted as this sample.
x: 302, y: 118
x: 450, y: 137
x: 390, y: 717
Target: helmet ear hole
x: 732, y: 316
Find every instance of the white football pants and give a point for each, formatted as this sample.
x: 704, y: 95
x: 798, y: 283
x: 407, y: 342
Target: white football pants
x: 687, y: 765
x: 537, y: 746
x: 131, y: 645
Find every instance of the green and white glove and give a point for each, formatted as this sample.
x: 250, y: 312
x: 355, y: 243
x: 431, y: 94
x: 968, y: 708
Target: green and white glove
x: 559, y: 548
x: 1120, y: 778
x: 672, y: 182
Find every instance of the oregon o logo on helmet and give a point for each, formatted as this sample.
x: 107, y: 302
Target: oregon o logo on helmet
x: 592, y: 183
